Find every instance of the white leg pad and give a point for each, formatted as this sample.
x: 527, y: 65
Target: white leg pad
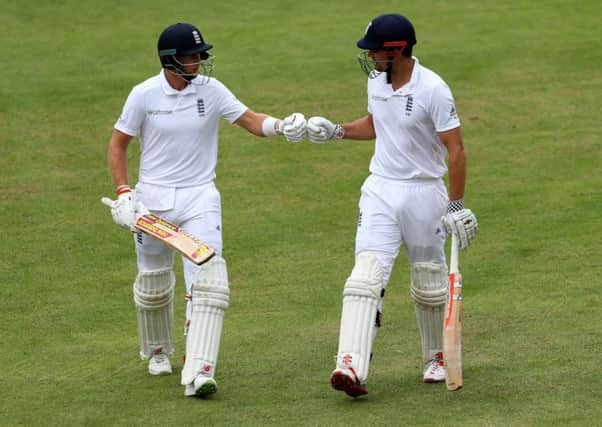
x: 429, y: 292
x: 358, y: 321
x: 210, y: 299
x: 153, y: 296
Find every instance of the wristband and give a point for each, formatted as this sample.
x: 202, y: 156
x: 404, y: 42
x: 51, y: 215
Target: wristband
x: 268, y: 127
x: 123, y: 189
x: 339, y: 132
x: 455, y: 205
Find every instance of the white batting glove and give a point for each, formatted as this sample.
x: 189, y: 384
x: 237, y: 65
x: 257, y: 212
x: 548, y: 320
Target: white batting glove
x: 293, y: 127
x: 461, y: 222
x: 125, y: 211
x: 320, y: 130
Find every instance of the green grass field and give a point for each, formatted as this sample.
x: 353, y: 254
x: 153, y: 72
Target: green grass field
x: 526, y: 77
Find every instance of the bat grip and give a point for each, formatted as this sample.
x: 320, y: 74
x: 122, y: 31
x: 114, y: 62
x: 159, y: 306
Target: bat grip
x: 453, y: 258
x: 107, y: 202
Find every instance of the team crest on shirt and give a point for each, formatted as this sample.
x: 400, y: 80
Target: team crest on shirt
x: 409, y: 105
x: 200, y: 107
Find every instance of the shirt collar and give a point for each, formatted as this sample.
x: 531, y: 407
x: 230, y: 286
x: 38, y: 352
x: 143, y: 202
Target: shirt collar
x: 170, y: 90
x: 410, y: 86
x: 406, y: 89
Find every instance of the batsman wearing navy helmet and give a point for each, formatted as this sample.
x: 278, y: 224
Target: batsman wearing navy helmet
x: 175, y: 115
x: 404, y: 201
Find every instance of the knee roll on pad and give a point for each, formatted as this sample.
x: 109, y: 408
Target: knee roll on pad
x: 211, y: 286
x: 366, y: 277
x: 358, y: 320
x: 153, y: 297
x: 429, y: 284
x: 210, y: 299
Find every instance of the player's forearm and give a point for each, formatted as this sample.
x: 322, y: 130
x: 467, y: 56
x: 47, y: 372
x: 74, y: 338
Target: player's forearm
x: 360, y: 129
x: 255, y: 124
x: 118, y: 167
x: 457, y: 174
x: 258, y: 124
x: 117, y: 159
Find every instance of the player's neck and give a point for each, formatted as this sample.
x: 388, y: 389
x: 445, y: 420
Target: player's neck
x: 402, y: 72
x: 175, y: 81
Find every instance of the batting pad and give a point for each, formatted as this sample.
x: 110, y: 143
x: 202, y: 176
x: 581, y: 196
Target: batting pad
x: 210, y: 299
x: 358, y: 320
x: 153, y: 296
x: 429, y: 292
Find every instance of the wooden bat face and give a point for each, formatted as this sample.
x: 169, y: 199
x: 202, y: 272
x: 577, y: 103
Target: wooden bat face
x: 452, y: 334
x: 174, y: 237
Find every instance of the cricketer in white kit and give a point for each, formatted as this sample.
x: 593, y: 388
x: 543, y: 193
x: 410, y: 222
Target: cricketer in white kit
x: 404, y: 201
x: 176, y: 116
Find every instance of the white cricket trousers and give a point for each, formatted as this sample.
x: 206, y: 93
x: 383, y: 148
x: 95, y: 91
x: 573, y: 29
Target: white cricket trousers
x: 394, y: 213
x: 197, y: 210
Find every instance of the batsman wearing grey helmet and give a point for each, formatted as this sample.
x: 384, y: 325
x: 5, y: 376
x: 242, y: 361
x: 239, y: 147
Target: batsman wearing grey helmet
x: 175, y: 115
x: 404, y: 202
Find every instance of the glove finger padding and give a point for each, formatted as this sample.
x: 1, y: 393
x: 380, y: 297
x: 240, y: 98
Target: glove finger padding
x: 123, y: 211
x: 319, y: 129
x: 294, y: 127
x: 294, y: 135
x: 471, y: 226
x: 462, y: 237
x: 463, y: 223
x: 316, y: 135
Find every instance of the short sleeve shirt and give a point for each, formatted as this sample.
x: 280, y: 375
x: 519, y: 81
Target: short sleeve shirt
x: 178, y: 130
x: 406, y: 122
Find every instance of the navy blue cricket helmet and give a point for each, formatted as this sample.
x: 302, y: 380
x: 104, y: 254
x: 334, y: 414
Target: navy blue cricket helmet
x: 388, y: 31
x: 183, y: 39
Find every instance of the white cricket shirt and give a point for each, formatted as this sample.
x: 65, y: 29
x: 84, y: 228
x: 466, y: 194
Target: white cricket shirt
x: 178, y: 130
x: 406, y: 122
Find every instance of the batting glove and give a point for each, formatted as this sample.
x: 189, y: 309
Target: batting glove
x: 461, y: 222
x: 125, y: 210
x: 293, y: 127
x: 320, y: 130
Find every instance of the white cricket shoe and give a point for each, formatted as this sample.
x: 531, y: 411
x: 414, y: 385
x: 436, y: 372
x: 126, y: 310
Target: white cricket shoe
x: 159, y: 364
x: 201, y: 387
x: 434, y: 369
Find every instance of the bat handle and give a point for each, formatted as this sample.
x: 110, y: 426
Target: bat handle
x: 107, y: 202
x: 453, y: 258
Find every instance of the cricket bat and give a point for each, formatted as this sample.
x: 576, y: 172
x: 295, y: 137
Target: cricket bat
x: 172, y: 235
x: 452, y: 328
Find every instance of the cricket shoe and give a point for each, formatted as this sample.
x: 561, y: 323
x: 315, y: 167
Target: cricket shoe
x: 201, y: 387
x: 159, y: 364
x: 346, y: 380
x: 434, y: 369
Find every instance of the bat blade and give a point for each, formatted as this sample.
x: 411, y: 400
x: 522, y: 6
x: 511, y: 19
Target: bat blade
x: 174, y: 237
x: 452, y: 328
